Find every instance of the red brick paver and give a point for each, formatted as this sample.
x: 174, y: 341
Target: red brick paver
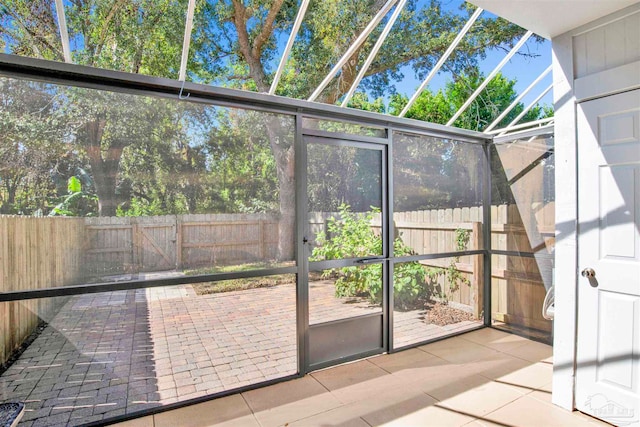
x: 115, y: 353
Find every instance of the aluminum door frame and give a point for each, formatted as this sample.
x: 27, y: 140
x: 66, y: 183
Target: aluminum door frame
x: 381, y: 144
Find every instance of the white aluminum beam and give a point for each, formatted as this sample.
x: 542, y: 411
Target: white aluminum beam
x: 64, y: 34
x: 188, y: 27
x: 522, y: 126
x: 533, y: 133
x: 355, y: 46
x: 440, y: 63
x: 518, y: 99
x: 490, y: 77
x: 287, y: 50
x: 529, y: 107
x: 374, y: 52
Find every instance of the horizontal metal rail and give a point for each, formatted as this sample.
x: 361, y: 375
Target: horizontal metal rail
x: 140, y: 284
x: 83, y: 76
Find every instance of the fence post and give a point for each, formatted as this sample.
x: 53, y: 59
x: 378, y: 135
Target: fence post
x: 178, y: 242
x: 477, y: 288
x: 261, y: 239
x: 136, y: 259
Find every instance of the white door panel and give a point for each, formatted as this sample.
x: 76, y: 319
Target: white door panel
x: 608, y: 355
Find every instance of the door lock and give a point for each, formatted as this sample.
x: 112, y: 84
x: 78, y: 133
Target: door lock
x: 588, y: 273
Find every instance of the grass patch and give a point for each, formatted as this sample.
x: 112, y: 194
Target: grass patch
x: 208, y: 288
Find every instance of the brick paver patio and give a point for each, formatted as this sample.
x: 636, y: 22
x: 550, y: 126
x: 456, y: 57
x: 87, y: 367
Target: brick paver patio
x: 115, y: 353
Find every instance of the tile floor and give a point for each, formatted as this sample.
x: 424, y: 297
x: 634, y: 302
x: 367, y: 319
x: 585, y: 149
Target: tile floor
x: 482, y: 378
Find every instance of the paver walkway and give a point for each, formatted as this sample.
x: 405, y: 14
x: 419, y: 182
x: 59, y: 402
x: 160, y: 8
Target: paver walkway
x: 115, y: 353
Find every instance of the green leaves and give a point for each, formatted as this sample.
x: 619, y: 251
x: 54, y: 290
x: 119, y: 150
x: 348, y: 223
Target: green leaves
x: 352, y: 236
x: 74, y: 185
x: 439, y: 107
x: 77, y: 202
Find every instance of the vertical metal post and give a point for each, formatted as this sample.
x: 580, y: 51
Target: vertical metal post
x: 390, y: 238
x: 302, y: 276
x: 486, y: 218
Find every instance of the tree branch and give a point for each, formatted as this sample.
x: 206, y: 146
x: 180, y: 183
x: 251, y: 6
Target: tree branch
x: 105, y: 25
x: 267, y: 28
x: 255, y: 65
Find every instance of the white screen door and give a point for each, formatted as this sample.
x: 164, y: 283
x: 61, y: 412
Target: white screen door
x: 608, y: 355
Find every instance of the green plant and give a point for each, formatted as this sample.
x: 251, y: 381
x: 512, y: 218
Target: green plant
x: 76, y: 202
x: 454, y: 276
x: 351, y: 236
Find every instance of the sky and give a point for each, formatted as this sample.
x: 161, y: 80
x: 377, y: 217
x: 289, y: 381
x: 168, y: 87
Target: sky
x: 522, y: 69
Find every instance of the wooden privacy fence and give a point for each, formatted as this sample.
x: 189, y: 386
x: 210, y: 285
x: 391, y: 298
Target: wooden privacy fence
x: 35, y: 253
x: 518, y: 284
x: 118, y: 245
x: 48, y: 252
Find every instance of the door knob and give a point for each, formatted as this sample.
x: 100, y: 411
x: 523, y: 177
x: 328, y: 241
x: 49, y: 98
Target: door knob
x: 588, y: 273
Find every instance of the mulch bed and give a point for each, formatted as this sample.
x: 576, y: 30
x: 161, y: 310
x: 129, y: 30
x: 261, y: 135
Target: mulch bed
x: 442, y: 314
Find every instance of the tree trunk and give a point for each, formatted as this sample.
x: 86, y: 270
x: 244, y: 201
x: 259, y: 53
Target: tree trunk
x: 104, y: 169
x: 284, y: 155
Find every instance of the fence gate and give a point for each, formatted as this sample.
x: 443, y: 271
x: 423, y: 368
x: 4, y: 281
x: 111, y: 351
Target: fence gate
x: 156, y: 245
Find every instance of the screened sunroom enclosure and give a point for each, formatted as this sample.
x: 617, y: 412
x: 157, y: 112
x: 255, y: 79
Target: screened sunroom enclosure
x: 323, y: 235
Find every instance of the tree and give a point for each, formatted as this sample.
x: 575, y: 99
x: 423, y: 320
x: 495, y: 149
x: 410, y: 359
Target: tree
x: 235, y: 44
x: 31, y: 144
x: 439, y: 107
x: 447, y: 158
x: 248, y: 31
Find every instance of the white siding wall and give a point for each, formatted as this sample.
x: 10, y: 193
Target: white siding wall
x: 607, y: 46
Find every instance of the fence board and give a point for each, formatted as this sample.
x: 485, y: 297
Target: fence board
x: 35, y: 253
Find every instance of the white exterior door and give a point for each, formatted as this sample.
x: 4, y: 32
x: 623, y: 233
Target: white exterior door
x: 608, y: 347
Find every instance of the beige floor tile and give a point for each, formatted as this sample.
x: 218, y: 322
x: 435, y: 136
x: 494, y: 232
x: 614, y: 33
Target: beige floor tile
x: 365, y: 390
x: 396, y: 403
x: 591, y: 420
x: 458, y: 350
x: 498, y: 365
x: 432, y: 416
x: 138, y: 422
x: 495, y: 339
x: 290, y: 401
x: 227, y: 411
x: 349, y: 374
x: 533, y: 377
x: 481, y: 400
x: 339, y: 417
x: 444, y: 382
x: 533, y: 352
x: 424, y: 370
x: 546, y: 387
x: 485, y: 423
x: 543, y: 396
x: 383, y: 406
x: 530, y: 412
x: 406, y: 359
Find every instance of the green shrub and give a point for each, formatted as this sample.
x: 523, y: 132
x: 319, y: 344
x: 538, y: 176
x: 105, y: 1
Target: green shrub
x: 351, y: 236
